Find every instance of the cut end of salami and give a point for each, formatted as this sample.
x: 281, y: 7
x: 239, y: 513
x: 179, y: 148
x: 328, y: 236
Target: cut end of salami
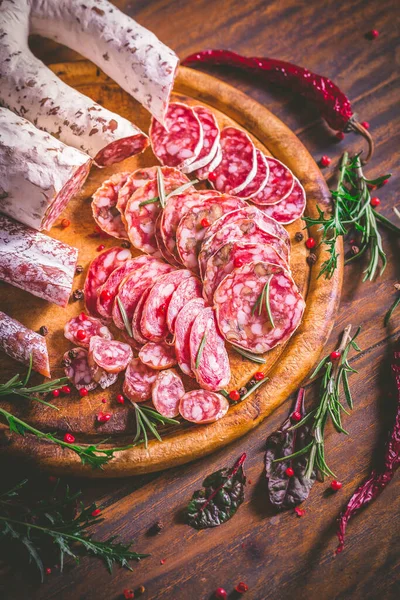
x: 104, y: 206
x: 201, y: 406
x: 110, y: 355
x: 158, y: 356
x: 139, y: 379
x: 167, y: 392
x: 121, y: 149
x: 77, y: 369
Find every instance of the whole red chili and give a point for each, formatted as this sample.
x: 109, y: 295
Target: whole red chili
x: 128, y: 594
x: 103, y: 417
x: 310, y: 243
x: 241, y: 587
x: 205, y: 223
x: 48, y: 571
x: 220, y: 594
x: 373, y: 34
x: 104, y: 400
x: 300, y: 512
x: 365, y: 124
x: 69, y: 438
x: 333, y: 105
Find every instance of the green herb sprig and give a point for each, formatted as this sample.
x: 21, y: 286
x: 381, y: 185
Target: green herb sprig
x: 162, y: 197
x: 395, y: 304
x: 147, y: 421
x: 250, y: 355
x: 264, y: 301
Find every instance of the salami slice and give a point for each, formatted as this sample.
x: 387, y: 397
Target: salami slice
x: 137, y: 316
x: 158, y: 355
x: 183, y: 326
x: 108, y: 291
x: 232, y: 256
x: 79, y: 330
x: 240, y: 318
x: 133, y: 286
x: 193, y: 227
x: 189, y: 288
x: 77, y: 369
x: 178, y: 143
x: 22, y: 343
x: 153, y: 323
x: 111, y: 355
x: 139, y: 379
x: 245, y: 230
x: 201, y: 406
x: 167, y: 392
x: 209, y: 358
x: 102, y: 377
x: 211, y: 135
x: 238, y: 166
x: 176, y: 208
x: 204, y: 172
x: 290, y: 208
x: 280, y: 184
x: 99, y: 270
x: 258, y: 183
x: 104, y: 206
x: 160, y: 244
x: 141, y: 214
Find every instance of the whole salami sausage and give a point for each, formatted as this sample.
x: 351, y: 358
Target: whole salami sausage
x: 179, y: 142
x: 234, y: 255
x: 258, y: 306
x: 139, y: 379
x: 104, y: 206
x: 189, y: 288
x: 202, y: 406
x: 153, y: 324
x: 158, y: 355
x: 183, y: 326
x: 77, y: 369
x: 290, y: 208
x: 209, y: 358
x: 111, y: 355
x: 99, y: 271
x: 259, y: 181
x: 279, y: 186
x: 36, y: 185
x: 211, y: 135
x: 79, y: 330
x: 35, y: 262
x: 167, y: 392
x: 238, y: 166
x: 22, y: 343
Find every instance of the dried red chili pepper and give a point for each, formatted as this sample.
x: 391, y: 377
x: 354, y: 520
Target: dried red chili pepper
x: 333, y: 105
x: 372, y: 487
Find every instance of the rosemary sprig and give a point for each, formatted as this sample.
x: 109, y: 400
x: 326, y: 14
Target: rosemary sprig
x: 352, y: 210
x: 253, y: 388
x: 53, y: 523
x: 147, y: 420
x: 200, y: 350
x: 334, y: 374
x: 395, y: 304
x: 250, y: 356
x: 124, y: 316
x: 179, y: 190
x: 161, y: 187
x: 263, y: 300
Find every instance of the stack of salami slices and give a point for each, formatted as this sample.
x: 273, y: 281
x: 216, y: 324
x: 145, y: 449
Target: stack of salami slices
x: 214, y: 269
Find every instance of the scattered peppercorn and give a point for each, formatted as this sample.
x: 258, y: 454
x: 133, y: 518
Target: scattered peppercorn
x: 65, y: 223
x: 120, y: 399
x: 325, y: 161
x: 385, y: 182
x: 251, y: 383
x: 234, y: 395
x: 205, y: 223
x: 79, y: 269
x: 289, y: 472
x: 220, y: 594
x: 300, y: 512
x: 310, y: 243
x: 104, y: 400
x: 241, y: 588
x: 162, y: 561
x: 212, y: 176
x: 43, y: 330
x: 65, y: 362
x: 65, y: 389
x: 125, y: 244
x: 355, y: 250
x: 55, y: 393
x: 103, y: 417
x: 295, y: 416
x: 238, y: 262
x: 334, y: 355
x: 340, y: 135
x: 80, y: 335
x: 243, y: 391
x: 365, y: 124
x: 140, y: 590
x: 336, y: 485
x: 156, y: 528
x: 259, y: 376
x: 48, y: 571
x: 375, y: 201
x: 83, y: 392
x: 69, y: 438
x: 299, y: 236
x: 100, y: 248
x: 311, y: 259
x: 72, y: 354
x: 77, y: 295
x: 373, y: 34
x: 128, y: 594
x: 96, y: 512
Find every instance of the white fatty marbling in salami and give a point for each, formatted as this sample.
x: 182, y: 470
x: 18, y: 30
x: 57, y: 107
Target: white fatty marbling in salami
x: 239, y: 162
x: 167, y: 392
x: 202, y: 406
x: 158, y: 355
x: 77, y: 369
x: 79, y: 330
x: 111, y: 355
x: 183, y: 326
x: 290, y: 208
x: 280, y: 184
x: 139, y: 379
x: 259, y: 181
x: 104, y: 206
x: 211, y: 135
x: 189, y: 289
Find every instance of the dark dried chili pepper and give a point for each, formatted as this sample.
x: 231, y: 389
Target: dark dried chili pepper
x: 333, y: 105
x: 374, y: 485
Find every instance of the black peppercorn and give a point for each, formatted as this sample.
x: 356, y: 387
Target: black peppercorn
x: 242, y: 391
x: 79, y: 269
x: 299, y: 236
x: 125, y: 244
x: 355, y: 250
x: 72, y: 354
x: 77, y: 295
x: 311, y: 259
x: 156, y: 528
x: 43, y: 330
x: 65, y: 362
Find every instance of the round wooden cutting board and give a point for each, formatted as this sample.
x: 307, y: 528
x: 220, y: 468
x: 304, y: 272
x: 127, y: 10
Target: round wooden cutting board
x: 286, y: 366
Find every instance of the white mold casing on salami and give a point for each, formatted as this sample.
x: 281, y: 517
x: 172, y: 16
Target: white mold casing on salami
x: 36, y: 262
x: 38, y: 173
x: 127, y: 52
x: 32, y: 91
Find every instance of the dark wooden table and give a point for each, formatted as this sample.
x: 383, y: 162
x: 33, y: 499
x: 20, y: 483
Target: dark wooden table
x: 279, y: 556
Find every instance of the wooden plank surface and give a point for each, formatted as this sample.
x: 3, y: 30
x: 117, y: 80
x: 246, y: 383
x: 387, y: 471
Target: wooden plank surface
x: 278, y: 556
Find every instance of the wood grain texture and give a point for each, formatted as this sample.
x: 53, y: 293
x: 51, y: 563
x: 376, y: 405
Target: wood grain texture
x: 278, y: 555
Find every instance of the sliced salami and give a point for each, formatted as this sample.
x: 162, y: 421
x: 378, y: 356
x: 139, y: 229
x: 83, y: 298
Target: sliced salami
x: 160, y: 244
x: 22, y: 343
x: 243, y: 321
x: 183, y: 326
x: 139, y: 379
x: 204, y: 172
x: 189, y: 288
x: 258, y: 183
x: 201, y: 406
x: 245, y: 230
x: 132, y: 288
x: 104, y: 206
x: 209, y: 358
x: 178, y: 143
x: 158, y: 355
x: 193, y: 227
x: 79, y: 330
x: 153, y: 324
x: 137, y: 317
x: 77, y: 369
x: 211, y: 135
x: 108, y: 291
x: 111, y: 355
x: 167, y: 392
x: 176, y: 208
x: 232, y: 256
x: 280, y: 184
x: 238, y: 166
x: 141, y: 215
x: 290, y: 208
x: 102, y: 377
x: 99, y: 270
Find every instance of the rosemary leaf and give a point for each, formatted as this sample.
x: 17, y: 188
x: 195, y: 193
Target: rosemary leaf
x: 254, y: 388
x: 161, y: 187
x: 247, y: 354
x: 149, y: 201
x: 200, y: 350
x: 124, y: 317
x: 267, y: 303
